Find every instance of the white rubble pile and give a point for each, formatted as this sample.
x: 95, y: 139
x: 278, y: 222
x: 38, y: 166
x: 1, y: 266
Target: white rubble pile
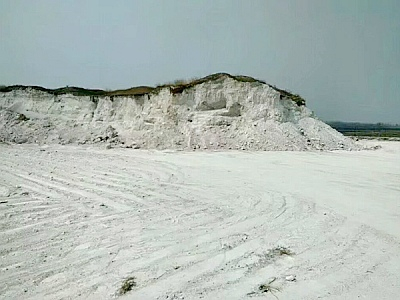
x: 221, y: 114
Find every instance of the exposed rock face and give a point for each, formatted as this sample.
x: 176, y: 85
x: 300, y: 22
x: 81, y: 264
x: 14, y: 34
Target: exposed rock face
x: 223, y: 113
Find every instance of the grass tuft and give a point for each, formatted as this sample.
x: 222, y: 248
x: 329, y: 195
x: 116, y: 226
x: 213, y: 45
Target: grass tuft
x: 127, y: 285
x: 281, y: 250
x: 269, y: 288
x: 22, y: 117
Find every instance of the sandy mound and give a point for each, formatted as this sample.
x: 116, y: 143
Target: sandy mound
x: 217, y: 112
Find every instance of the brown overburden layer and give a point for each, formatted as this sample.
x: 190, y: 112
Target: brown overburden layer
x: 176, y: 88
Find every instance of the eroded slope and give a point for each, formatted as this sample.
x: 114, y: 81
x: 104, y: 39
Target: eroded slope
x: 217, y: 112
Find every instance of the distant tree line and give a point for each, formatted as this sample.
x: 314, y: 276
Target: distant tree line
x: 357, y: 127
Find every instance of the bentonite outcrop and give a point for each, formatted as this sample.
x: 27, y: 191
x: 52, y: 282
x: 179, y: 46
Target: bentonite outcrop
x: 216, y: 112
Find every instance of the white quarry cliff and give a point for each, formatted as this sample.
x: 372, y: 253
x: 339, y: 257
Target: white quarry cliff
x: 222, y: 113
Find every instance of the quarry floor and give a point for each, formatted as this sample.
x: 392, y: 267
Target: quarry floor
x: 75, y: 222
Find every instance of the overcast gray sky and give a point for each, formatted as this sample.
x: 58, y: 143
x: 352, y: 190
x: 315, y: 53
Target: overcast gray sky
x: 343, y: 56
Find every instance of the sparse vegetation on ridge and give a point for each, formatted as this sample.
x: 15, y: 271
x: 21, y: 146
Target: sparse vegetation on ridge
x: 176, y: 87
x: 294, y: 97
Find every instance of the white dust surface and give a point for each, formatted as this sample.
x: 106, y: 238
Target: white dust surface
x: 75, y: 221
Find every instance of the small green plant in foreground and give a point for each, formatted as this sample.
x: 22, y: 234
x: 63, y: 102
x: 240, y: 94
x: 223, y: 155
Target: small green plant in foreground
x: 267, y: 287
x: 281, y: 250
x: 127, y: 285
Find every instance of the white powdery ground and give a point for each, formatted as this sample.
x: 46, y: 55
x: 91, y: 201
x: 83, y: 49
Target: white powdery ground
x: 76, y: 221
